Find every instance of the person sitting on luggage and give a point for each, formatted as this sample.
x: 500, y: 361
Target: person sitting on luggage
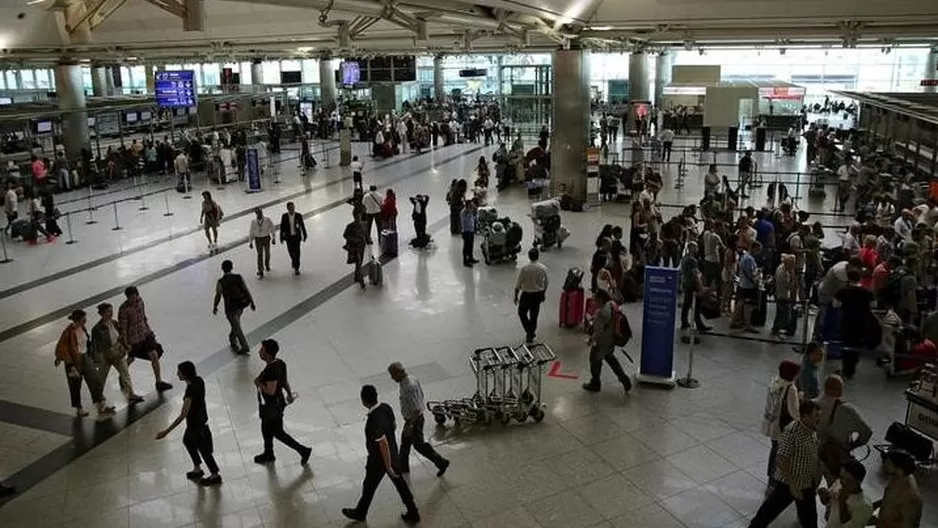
x: 901, y: 505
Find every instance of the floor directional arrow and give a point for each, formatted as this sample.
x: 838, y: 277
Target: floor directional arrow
x: 554, y: 372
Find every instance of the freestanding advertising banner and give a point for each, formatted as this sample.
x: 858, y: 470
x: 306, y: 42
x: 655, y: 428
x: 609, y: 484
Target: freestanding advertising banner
x: 658, y: 314
x: 254, y: 171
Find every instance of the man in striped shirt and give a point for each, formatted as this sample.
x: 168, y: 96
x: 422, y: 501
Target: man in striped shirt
x: 411, y: 395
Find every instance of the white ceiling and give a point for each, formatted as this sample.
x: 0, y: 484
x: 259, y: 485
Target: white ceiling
x: 279, y: 28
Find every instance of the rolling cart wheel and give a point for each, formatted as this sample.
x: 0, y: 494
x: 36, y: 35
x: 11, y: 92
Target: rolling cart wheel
x: 440, y: 419
x: 521, y: 417
x: 537, y: 414
x: 559, y: 244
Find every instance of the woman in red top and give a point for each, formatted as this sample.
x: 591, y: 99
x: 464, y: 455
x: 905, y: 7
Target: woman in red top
x: 870, y: 259
x: 389, y: 210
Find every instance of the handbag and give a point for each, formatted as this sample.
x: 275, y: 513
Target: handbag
x: 266, y: 411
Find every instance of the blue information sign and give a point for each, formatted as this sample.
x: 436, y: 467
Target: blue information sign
x: 254, y: 171
x: 658, y: 314
x: 175, y: 89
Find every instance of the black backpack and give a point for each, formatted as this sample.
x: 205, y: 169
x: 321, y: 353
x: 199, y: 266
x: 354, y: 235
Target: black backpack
x: 622, y: 327
x: 574, y: 280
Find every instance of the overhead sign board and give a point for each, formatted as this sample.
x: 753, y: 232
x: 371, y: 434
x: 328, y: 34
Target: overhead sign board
x: 175, y: 89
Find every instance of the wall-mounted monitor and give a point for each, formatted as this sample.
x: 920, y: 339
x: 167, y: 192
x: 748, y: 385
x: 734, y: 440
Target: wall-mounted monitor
x: 91, y: 121
x: 351, y: 72
x: 43, y: 127
x: 291, y: 77
x: 146, y: 115
x: 4, y: 101
x: 131, y: 117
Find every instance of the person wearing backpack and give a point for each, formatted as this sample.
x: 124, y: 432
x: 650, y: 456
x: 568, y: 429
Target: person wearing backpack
x: 232, y: 288
x: 610, y: 328
x: 781, y: 408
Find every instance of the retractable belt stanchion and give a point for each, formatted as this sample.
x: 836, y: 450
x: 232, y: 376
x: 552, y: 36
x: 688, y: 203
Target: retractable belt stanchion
x: 166, y: 201
x: 146, y: 189
x: 117, y: 222
x: 3, y: 242
x: 187, y: 185
x: 91, y: 219
x: 68, y: 226
x: 688, y: 381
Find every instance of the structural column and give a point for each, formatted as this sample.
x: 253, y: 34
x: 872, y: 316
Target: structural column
x: 71, y: 96
x: 117, y: 80
x: 638, y: 86
x: 99, y: 81
x: 257, y: 72
x: 149, y: 74
x: 18, y: 78
x: 439, y: 89
x: 571, y: 118
x: 327, y: 82
x: 663, y: 63
x: 931, y: 69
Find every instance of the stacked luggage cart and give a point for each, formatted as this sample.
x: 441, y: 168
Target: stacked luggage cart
x: 508, y: 386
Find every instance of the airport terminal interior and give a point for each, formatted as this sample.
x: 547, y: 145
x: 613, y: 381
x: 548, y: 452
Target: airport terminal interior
x: 771, y: 169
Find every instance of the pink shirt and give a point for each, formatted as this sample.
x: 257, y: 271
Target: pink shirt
x: 39, y: 170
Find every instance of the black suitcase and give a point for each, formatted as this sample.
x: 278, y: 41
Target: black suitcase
x: 759, y: 311
x: 904, y: 437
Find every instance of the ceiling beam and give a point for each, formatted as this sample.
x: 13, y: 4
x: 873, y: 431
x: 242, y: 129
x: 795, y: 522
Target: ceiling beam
x: 170, y: 6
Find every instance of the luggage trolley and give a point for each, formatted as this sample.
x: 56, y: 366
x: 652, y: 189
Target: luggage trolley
x: 508, y: 385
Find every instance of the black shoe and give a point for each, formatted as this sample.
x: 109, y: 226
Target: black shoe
x: 296, y: 272
x: 529, y: 338
x: 592, y: 387
x: 412, y: 517
x: 353, y: 514
x: 441, y: 469
x: 304, y: 455
x: 213, y: 480
x: 627, y: 384
x: 704, y: 329
x: 134, y: 398
x: 6, y: 491
x: 268, y: 268
x: 162, y: 386
x: 195, y: 475
x: 244, y: 351
x: 264, y: 458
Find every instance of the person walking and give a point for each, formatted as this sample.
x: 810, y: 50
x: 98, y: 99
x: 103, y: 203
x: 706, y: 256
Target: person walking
x: 468, y: 222
x: 797, y: 471
x: 292, y: 233
x: 354, y: 236
x: 530, y: 288
x: 261, y: 235
x: 137, y: 337
x: 666, y: 136
x: 232, y: 288
x: 602, y: 343
x: 411, y: 397
x: 273, y: 396
x: 389, y: 211
x: 841, y: 428
x: 781, y: 408
x: 107, y: 352
x: 372, y: 203
x: 357, y: 168
x: 10, y: 201
x: 381, y: 445
x: 693, y: 284
x: 71, y: 350
x: 198, y: 437
x: 846, y: 506
x: 901, y: 505
x: 210, y: 217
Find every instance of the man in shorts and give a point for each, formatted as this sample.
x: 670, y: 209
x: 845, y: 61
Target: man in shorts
x: 137, y: 336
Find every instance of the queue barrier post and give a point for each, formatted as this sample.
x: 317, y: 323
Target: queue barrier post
x: 688, y: 381
x: 3, y: 242
x: 91, y: 219
x: 68, y: 226
x: 117, y: 222
x: 166, y: 201
x: 143, y: 202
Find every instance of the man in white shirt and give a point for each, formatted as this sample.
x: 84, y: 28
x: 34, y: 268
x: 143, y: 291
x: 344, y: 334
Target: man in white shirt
x: 402, y: 132
x: 357, y: 168
x: 487, y: 127
x: 372, y: 203
x: 261, y: 234
x: 850, y: 245
x: 379, y: 143
x: 666, y: 136
x: 9, y: 206
x: 904, y: 225
x: 847, y: 505
x: 530, y: 288
x: 181, y: 163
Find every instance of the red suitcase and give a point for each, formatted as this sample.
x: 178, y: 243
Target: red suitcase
x: 571, y: 308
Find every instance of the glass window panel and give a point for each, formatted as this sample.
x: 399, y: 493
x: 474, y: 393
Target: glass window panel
x: 271, y: 70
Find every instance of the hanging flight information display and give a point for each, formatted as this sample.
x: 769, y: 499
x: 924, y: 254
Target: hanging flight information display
x: 175, y: 89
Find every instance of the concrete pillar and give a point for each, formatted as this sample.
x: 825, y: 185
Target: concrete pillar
x: 149, y: 73
x: 571, y: 118
x: 439, y: 89
x: 257, y: 72
x: 663, y: 63
x: 499, y: 62
x: 931, y: 69
x: 18, y: 77
x: 638, y: 76
x: 71, y: 96
x: 109, y: 79
x: 327, y: 82
x: 117, y: 82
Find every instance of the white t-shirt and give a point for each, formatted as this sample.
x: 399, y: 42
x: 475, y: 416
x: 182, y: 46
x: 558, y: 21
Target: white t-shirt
x: 356, y: 166
x: 372, y: 202
x: 9, y: 204
x: 860, y: 507
x: 666, y: 135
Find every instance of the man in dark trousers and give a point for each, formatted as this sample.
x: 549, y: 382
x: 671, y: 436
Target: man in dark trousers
x: 292, y: 232
x: 232, y: 288
x: 273, y: 396
x: 530, y: 287
x: 412, y: 406
x: 381, y: 445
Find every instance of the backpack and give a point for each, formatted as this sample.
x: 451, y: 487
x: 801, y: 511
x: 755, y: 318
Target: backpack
x: 775, y: 408
x: 574, y: 279
x: 892, y: 290
x: 620, y: 323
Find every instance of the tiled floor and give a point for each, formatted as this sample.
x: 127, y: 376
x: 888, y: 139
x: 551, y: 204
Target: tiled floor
x: 654, y: 459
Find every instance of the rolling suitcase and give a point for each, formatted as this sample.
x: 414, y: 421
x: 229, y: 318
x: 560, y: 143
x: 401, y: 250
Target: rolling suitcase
x: 388, y: 242
x: 375, y: 273
x: 571, y: 308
